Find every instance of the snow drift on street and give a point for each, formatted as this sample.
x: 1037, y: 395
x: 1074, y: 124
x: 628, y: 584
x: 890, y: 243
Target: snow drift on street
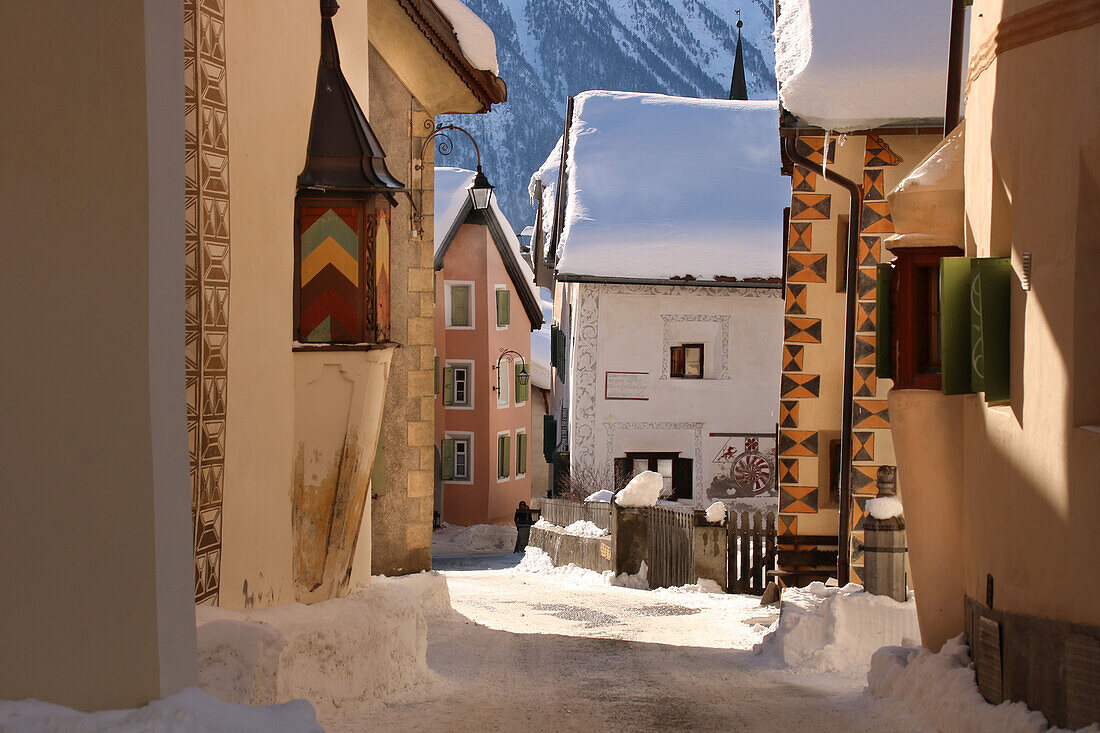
x: 825, y: 629
x: 455, y: 540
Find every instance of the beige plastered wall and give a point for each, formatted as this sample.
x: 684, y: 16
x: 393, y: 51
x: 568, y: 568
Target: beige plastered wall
x: 402, y: 509
x: 539, y: 468
x: 95, y: 527
x: 271, y: 67
x: 1032, y: 165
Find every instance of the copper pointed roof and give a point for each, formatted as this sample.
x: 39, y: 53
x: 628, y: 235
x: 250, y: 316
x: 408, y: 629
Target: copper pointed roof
x: 343, y: 153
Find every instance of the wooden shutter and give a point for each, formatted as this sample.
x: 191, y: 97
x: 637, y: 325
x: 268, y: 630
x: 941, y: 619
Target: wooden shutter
x: 448, y: 385
x: 521, y: 454
x: 435, y: 371
x: 681, y: 478
x: 884, y: 344
x: 447, y: 451
x: 329, y: 259
x: 990, y: 303
x: 622, y: 472
x: 554, y: 360
x: 678, y: 359
x: 504, y: 457
x: 549, y: 437
x: 955, y: 324
x: 522, y: 390
x: 503, y: 305
x: 460, y: 305
x: 507, y: 456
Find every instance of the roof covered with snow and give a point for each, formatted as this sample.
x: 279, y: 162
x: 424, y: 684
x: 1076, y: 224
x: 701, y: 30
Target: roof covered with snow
x: 476, y: 39
x: 860, y: 64
x: 665, y: 187
x: 452, y: 207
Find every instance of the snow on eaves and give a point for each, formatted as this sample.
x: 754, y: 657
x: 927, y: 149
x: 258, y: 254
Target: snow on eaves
x: 666, y: 187
x: 859, y: 64
x: 475, y: 38
x: 452, y: 189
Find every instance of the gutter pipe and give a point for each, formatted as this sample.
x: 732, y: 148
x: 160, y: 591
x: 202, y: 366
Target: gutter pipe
x: 855, y: 197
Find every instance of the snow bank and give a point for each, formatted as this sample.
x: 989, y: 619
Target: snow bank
x: 941, y: 688
x: 337, y: 654
x: 603, y: 495
x: 187, y: 711
x: 862, y: 63
x: 884, y: 507
x: 455, y: 540
x: 537, y: 562
x: 716, y: 512
x: 475, y: 38
x: 580, y: 528
x: 823, y: 629
x: 644, y: 180
x: 642, y: 491
x: 429, y: 590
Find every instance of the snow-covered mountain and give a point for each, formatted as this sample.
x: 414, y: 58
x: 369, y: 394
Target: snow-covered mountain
x: 550, y: 49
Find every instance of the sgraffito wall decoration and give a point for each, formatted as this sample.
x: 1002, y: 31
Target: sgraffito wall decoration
x: 206, y: 250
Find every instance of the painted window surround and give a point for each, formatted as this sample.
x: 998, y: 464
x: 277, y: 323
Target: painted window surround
x: 469, y: 440
x: 496, y: 289
x: 468, y: 365
x: 471, y: 303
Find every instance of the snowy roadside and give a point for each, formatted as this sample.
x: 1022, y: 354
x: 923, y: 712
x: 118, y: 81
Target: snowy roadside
x: 453, y: 539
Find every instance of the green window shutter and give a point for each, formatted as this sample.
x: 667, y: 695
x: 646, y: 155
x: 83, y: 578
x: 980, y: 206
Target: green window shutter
x: 522, y: 390
x: 448, y: 385
x: 436, y: 373
x: 554, y: 346
x: 990, y: 306
x: 549, y: 437
x: 955, y: 324
x: 507, y: 456
x: 503, y: 305
x: 521, y: 454
x: 884, y: 352
x: 460, y: 305
x: 447, y: 451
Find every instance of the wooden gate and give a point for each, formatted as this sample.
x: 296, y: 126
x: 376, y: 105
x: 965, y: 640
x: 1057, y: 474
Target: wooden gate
x: 671, y: 549
x: 750, y: 540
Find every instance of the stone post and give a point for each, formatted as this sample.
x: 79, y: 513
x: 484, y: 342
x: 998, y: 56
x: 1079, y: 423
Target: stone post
x: 711, y: 554
x: 629, y: 531
x: 884, y: 545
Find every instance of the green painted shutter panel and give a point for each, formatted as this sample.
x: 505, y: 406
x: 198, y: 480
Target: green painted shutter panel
x: 507, y: 455
x: 549, y: 437
x: 522, y: 390
x: 884, y: 353
x: 447, y: 449
x: 955, y: 324
x: 503, y: 305
x: 554, y: 347
x: 460, y: 306
x: 990, y: 306
x: 448, y: 385
x: 521, y: 454
x: 435, y: 370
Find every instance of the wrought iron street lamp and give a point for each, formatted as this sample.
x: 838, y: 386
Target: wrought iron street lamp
x: 522, y: 377
x: 481, y: 193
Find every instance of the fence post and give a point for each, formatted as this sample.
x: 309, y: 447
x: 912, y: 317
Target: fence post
x: 631, y: 540
x: 709, y: 551
x: 884, y: 546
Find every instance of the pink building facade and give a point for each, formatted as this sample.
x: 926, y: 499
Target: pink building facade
x: 485, y: 306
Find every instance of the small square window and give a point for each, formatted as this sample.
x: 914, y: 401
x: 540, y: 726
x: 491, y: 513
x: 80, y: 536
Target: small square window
x: 686, y: 361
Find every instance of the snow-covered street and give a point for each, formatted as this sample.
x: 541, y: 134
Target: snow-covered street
x: 542, y: 652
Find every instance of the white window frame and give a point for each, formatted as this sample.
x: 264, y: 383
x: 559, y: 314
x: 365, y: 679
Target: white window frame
x: 496, y: 468
x: 469, y: 439
x: 496, y: 289
x: 515, y: 439
x: 471, y: 303
x: 469, y: 367
x: 504, y: 386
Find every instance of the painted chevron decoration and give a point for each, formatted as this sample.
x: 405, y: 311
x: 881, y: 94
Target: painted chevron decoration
x: 330, y: 281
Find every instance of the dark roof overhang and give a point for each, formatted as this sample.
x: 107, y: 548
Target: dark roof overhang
x: 343, y: 155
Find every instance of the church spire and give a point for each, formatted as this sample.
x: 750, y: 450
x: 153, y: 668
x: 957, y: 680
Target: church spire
x: 738, y: 88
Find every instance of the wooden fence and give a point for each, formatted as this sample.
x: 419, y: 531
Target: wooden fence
x: 750, y: 542
x: 564, y: 512
x: 670, y: 539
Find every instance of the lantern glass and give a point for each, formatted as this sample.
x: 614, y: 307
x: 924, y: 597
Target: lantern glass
x: 481, y: 193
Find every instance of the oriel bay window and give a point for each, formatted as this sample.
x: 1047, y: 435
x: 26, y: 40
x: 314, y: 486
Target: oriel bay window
x: 686, y: 361
x: 342, y: 216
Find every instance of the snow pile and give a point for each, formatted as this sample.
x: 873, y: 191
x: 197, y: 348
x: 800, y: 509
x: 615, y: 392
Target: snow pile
x: 862, y: 63
x: 475, y: 38
x: 429, y: 589
x: 455, y: 540
x: 642, y: 491
x: 537, y: 562
x: 339, y: 653
x: 637, y: 581
x: 941, y: 688
x: 603, y: 495
x: 716, y: 512
x: 884, y: 507
x: 187, y: 711
x: 580, y: 528
x: 701, y: 585
x: 720, y: 214
x: 823, y: 629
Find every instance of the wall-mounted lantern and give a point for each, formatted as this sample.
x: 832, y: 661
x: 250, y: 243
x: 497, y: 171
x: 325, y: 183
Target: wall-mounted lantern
x: 342, y: 215
x: 481, y: 191
x: 523, y: 377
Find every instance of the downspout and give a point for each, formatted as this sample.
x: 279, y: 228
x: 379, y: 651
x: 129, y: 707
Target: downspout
x: 954, y: 67
x: 855, y: 197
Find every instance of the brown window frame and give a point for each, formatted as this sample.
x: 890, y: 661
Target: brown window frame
x: 915, y: 314
x: 679, y: 370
